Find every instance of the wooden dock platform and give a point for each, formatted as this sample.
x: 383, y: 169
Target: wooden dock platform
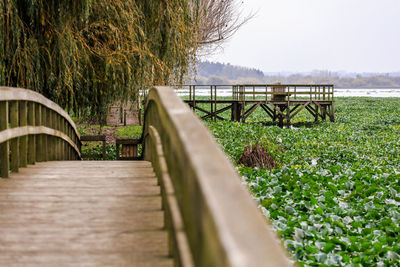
x: 280, y: 102
x: 83, y: 213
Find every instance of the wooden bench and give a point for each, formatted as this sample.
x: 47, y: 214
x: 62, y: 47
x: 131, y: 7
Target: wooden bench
x: 129, y: 148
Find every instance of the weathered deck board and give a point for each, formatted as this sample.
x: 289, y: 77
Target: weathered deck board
x: 82, y: 214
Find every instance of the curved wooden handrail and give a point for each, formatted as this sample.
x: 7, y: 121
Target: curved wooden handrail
x: 19, y: 94
x: 34, y: 129
x: 221, y: 221
x: 12, y: 133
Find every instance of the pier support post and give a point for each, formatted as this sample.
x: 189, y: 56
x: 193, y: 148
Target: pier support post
x: 280, y: 116
x: 288, y: 115
x: 316, y: 112
x: 236, y: 111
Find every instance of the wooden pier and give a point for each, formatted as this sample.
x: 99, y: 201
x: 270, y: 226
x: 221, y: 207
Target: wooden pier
x: 280, y: 102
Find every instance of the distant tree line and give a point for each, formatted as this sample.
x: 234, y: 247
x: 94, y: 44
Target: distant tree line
x: 220, y: 73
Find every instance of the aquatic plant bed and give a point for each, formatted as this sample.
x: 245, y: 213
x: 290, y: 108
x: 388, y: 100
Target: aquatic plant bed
x: 334, y: 197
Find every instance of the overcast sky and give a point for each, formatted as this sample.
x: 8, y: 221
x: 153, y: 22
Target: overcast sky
x: 306, y: 35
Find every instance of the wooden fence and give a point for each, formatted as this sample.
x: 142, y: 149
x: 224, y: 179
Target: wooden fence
x: 211, y: 217
x: 33, y: 129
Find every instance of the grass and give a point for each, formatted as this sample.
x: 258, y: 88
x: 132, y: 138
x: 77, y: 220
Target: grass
x: 129, y: 132
x: 335, y: 196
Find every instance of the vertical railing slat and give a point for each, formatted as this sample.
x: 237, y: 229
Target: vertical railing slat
x: 38, y: 122
x: 23, y: 140
x: 44, y: 137
x: 13, y: 106
x: 4, y: 148
x: 52, y: 141
x: 58, y: 140
x: 31, y: 138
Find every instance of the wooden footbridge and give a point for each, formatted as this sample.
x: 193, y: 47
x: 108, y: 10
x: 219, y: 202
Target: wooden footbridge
x: 183, y: 205
x: 280, y: 102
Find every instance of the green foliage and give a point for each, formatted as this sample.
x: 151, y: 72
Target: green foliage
x: 335, y: 197
x: 129, y: 131
x: 97, y: 148
x: 86, y: 54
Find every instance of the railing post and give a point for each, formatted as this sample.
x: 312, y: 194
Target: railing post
x: 44, y: 137
x: 60, y: 141
x: 64, y: 143
x: 52, y: 138
x: 31, y: 138
x: 14, y: 142
x: 38, y: 122
x: 69, y: 133
x: 23, y: 140
x: 57, y: 140
x: 4, y: 149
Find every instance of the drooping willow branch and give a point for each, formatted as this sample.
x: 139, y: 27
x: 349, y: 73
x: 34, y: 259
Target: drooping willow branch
x: 86, y: 54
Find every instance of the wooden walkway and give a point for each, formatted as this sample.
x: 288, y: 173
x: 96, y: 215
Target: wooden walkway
x: 81, y: 213
x: 56, y: 210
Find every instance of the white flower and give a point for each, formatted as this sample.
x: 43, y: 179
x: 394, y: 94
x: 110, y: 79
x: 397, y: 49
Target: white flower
x: 314, y: 162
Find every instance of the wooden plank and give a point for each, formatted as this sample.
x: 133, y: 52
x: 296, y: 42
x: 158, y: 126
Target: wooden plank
x: 101, y: 216
x: 86, y: 164
x: 4, y: 145
x: 84, y: 258
x: 128, y: 141
x: 92, y: 138
x: 14, y: 143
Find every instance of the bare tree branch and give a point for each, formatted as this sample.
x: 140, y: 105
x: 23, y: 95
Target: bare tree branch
x: 218, y: 20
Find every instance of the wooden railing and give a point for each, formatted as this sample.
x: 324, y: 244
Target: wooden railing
x: 267, y: 92
x: 211, y: 217
x: 33, y: 129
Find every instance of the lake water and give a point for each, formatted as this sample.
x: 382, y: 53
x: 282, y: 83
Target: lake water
x: 378, y: 92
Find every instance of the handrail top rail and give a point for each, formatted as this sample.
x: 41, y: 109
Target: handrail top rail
x: 20, y: 94
x: 228, y: 202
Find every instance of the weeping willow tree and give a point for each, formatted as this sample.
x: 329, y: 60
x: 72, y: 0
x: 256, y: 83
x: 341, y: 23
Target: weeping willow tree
x: 86, y: 54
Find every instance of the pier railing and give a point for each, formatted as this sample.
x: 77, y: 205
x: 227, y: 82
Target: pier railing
x: 211, y: 218
x: 33, y: 129
x: 268, y: 92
